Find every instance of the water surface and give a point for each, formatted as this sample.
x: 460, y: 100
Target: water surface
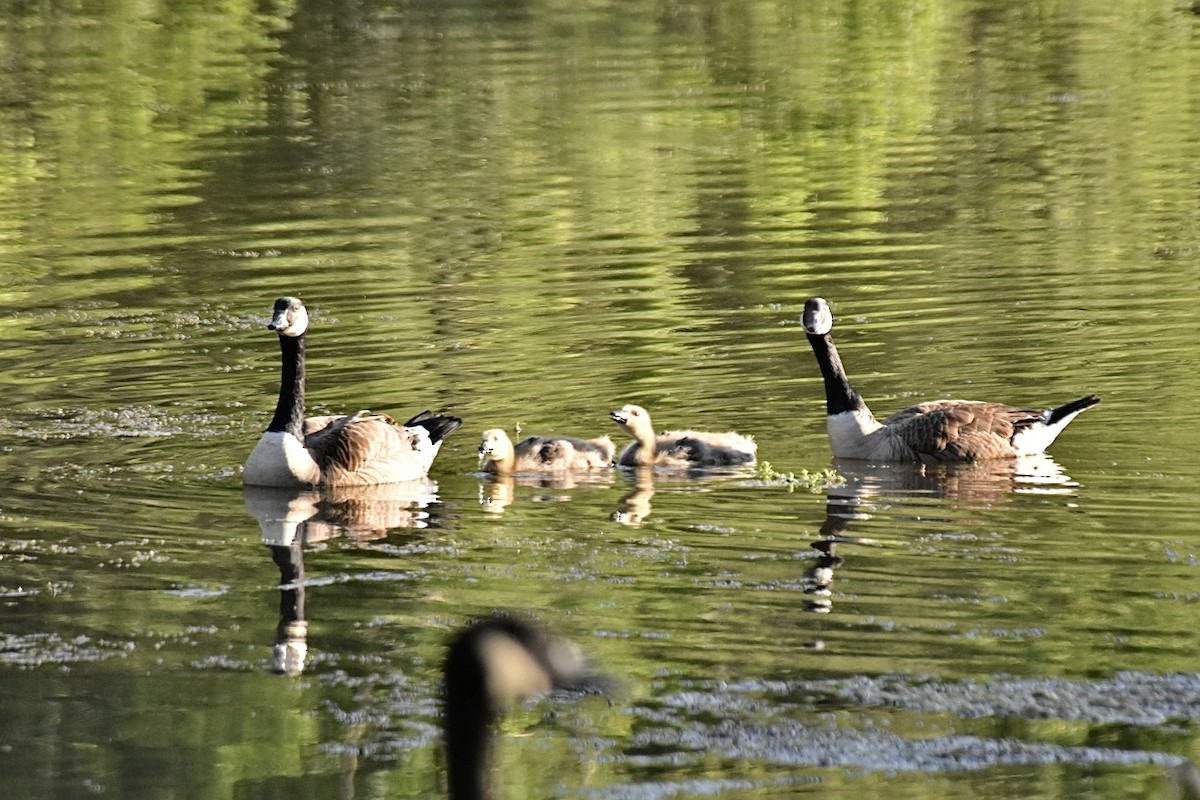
x: 530, y: 215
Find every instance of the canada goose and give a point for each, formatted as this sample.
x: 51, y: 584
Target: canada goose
x: 498, y: 455
x: 679, y: 448
x: 937, y: 431
x: 353, y: 450
x: 491, y: 664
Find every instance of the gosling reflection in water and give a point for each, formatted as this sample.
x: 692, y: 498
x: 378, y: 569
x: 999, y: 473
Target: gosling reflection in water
x: 634, y: 505
x: 498, y: 492
x: 491, y: 664
x: 291, y: 519
x: 644, y: 482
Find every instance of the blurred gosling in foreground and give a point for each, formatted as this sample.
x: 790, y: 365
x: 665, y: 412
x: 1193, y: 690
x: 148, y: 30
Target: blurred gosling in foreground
x: 495, y: 663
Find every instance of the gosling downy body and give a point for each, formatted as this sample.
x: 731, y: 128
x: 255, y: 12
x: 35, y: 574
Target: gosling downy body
x: 491, y: 664
x: 352, y: 450
x: 932, y: 432
x: 679, y: 448
x: 498, y: 455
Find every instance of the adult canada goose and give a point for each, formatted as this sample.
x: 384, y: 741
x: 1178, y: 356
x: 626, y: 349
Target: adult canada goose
x: 492, y: 664
x: 352, y: 450
x: 498, y: 455
x: 679, y: 448
x: 937, y: 431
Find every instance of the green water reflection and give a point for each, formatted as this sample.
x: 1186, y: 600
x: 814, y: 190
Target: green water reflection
x: 531, y: 213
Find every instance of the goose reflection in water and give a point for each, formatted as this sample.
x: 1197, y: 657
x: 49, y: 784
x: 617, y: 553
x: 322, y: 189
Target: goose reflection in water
x: 972, y: 485
x: 291, y: 519
x: 818, y: 578
x: 494, y: 663
x: 869, y: 486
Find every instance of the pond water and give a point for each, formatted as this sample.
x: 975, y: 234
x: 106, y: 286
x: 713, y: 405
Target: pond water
x: 529, y: 214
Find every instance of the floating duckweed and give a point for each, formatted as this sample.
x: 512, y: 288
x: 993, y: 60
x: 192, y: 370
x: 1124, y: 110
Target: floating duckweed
x: 812, y: 481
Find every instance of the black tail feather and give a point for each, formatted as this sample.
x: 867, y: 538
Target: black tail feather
x: 439, y: 425
x: 1073, y: 407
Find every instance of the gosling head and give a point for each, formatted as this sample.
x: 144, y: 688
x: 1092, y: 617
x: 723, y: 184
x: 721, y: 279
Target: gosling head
x: 496, y: 446
x: 634, y: 419
x: 289, y: 317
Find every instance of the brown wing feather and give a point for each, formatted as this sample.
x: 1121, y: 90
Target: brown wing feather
x: 960, y: 430
x: 359, y: 448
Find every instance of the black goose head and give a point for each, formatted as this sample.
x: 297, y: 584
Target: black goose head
x: 289, y: 317
x: 817, y: 319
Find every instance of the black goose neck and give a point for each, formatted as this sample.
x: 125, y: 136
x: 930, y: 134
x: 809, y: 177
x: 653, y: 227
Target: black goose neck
x: 289, y: 411
x: 469, y: 718
x: 839, y: 394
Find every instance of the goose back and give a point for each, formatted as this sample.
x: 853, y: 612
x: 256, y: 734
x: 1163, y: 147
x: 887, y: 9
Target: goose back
x: 959, y: 430
x: 362, y: 449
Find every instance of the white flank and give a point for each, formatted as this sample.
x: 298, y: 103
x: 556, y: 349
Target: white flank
x: 849, y: 432
x: 279, y: 459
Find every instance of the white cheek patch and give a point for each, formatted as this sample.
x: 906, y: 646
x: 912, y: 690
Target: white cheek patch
x: 299, y: 325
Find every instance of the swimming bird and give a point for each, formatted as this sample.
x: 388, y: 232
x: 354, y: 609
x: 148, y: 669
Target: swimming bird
x: 936, y: 431
x: 679, y: 448
x: 350, y: 450
x: 491, y: 664
x: 498, y: 455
